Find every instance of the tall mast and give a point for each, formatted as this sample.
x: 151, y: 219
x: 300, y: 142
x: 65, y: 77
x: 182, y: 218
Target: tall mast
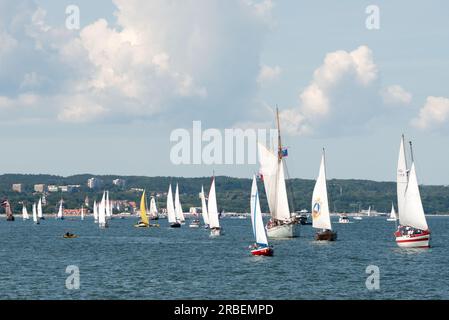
x: 411, y: 151
x: 279, y: 134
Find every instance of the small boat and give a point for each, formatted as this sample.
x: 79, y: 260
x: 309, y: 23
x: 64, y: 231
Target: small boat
x: 392, y: 214
x: 303, y: 219
x: 69, y: 236
x: 320, y: 206
x: 95, y: 213
x: 102, y: 223
x: 214, y: 221
x: 144, y: 222
x: 344, y: 219
x: 171, y: 214
x: 204, y: 212
x: 40, y: 214
x: 195, y: 223
x: 9, y: 216
x: 178, y: 207
x: 357, y: 217
x: 59, y: 215
x: 35, y: 216
x: 261, y: 247
x: 413, y: 231
x: 153, y: 210
x: 25, y: 215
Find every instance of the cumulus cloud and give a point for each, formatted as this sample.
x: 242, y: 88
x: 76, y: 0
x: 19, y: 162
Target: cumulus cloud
x: 341, y: 93
x: 268, y: 74
x: 396, y: 95
x: 80, y: 110
x: 434, y: 113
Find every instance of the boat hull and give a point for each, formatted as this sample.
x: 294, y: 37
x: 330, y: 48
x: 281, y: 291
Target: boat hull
x: 391, y: 219
x: 141, y: 225
x: 215, y: 232
x: 327, y: 235
x: 284, y: 231
x: 175, y: 225
x: 267, y: 252
x: 421, y: 240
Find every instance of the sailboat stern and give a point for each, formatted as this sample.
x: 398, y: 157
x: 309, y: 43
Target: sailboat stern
x: 327, y: 235
x: 413, y: 240
x: 263, y: 251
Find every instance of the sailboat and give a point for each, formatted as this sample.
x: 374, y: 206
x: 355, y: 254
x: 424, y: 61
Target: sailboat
x: 40, y: 214
x: 320, y: 206
x: 413, y: 231
x: 153, y: 210
x: 261, y: 247
x: 35, y: 216
x: 283, y: 224
x: 82, y: 212
x: 392, y: 214
x: 144, y: 222
x: 204, y: 212
x: 214, y: 222
x: 25, y: 214
x: 171, y: 215
x: 60, y: 211
x: 102, y: 213
x: 108, y: 207
x: 178, y: 207
x: 95, y: 212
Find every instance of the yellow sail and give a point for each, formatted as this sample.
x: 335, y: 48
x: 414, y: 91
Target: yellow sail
x: 143, y: 210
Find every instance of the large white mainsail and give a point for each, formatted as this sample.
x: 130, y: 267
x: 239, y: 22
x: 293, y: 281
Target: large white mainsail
x: 402, y: 177
x: 39, y: 209
x: 59, y: 216
x: 178, y: 207
x: 95, y: 212
x: 413, y: 213
x: 272, y: 169
x: 25, y: 214
x: 320, y: 203
x: 212, y: 209
x: 102, y: 212
x: 256, y: 216
x: 204, y: 213
x: 171, y: 215
x: 35, y: 217
x: 153, y: 208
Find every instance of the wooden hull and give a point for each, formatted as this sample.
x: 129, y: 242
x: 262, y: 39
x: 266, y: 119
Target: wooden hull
x: 420, y: 240
x: 267, y: 252
x: 327, y: 235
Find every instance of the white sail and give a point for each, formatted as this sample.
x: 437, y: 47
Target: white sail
x: 204, y: 207
x: 320, y: 203
x: 153, y: 207
x: 35, y: 217
x: 171, y: 215
x: 25, y: 214
x: 393, y: 212
x: 102, y: 211
x: 95, y: 212
x: 256, y: 216
x: 60, y: 210
x: 212, y: 207
x: 413, y: 214
x: 402, y: 177
x: 39, y: 209
x: 178, y: 207
x: 82, y: 212
x: 272, y: 170
x: 108, y: 205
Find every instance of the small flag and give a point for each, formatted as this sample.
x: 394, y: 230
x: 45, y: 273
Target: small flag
x: 284, y: 152
x: 260, y: 176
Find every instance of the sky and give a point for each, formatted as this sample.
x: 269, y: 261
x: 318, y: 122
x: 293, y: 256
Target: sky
x: 105, y: 97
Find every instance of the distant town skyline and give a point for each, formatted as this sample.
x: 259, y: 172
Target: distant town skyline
x: 104, y: 98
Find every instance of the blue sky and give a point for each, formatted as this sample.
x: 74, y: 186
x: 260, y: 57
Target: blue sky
x: 104, y: 99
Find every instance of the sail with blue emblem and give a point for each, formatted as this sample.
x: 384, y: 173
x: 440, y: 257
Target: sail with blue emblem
x: 320, y: 203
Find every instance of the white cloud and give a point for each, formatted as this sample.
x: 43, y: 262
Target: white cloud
x: 80, y: 110
x: 340, y: 93
x: 395, y: 94
x: 268, y: 74
x: 434, y: 113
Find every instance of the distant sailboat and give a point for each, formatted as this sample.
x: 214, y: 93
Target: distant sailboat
x: 204, y: 212
x: 153, y: 210
x: 95, y: 212
x: 108, y: 206
x: 144, y: 222
x: 60, y: 215
x: 40, y: 213
x: 102, y: 213
x: 261, y: 247
x: 413, y: 231
x: 178, y: 207
x: 82, y: 212
x: 171, y: 214
x: 283, y: 223
x: 9, y: 215
x: 320, y: 206
x: 25, y: 214
x: 35, y: 216
x: 392, y: 214
x: 214, y: 222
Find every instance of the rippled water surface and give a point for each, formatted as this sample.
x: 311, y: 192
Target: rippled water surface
x: 124, y: 262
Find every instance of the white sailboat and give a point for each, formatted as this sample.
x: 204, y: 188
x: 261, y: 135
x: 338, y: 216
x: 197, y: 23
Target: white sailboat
x: 108, y: 206
x: 35, y: 216
x: 261, y: 247
x: 214, y: 221
x: 413, y: 231
x: 102, y: 213
x: 320, y: 206
x: 60, y: 211
x: 178, y: 207
x: 153, y: 209
x: 171, y: 214
x: 40, y: 214
x: 204, y: 212
x: 82, y: 212
x: 25, y: 214
x: 95, y: 212
x: 392, y: 214
x: 283, y: 224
